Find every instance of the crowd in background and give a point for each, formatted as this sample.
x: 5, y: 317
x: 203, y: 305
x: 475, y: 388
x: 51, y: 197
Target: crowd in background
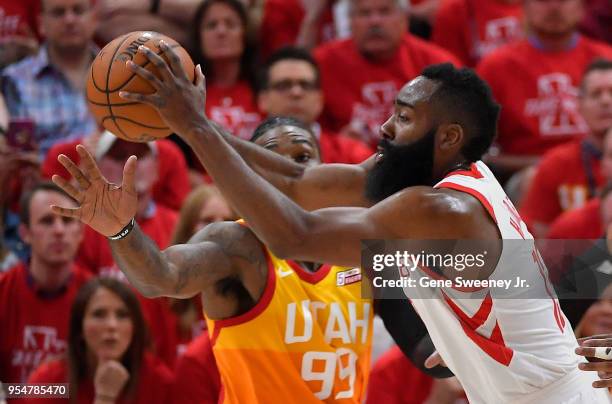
x: 334, y: 66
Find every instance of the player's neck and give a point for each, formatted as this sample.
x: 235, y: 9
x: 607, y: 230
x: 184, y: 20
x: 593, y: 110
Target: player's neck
x: 553, y: 43
x: 226, y: 73
x: 49, y: 277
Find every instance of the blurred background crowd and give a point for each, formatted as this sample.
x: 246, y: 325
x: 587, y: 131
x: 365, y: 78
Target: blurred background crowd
x: 333, y: 65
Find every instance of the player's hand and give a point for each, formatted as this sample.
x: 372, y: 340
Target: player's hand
x: 592, y: 347
x: 434, y: 360
x: 180, y: 102
x: 106, y: 207
x: 110, y: 378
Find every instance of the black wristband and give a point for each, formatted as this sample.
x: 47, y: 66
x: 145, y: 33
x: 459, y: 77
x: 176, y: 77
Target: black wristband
x: 124, y: 232
x: 154, y: 6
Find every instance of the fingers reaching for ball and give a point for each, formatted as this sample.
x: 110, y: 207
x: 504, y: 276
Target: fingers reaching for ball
x: 599, y: 349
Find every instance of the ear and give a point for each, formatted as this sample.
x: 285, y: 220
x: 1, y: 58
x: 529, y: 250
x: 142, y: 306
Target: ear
x: 451, y: 136
x: 24, y: 233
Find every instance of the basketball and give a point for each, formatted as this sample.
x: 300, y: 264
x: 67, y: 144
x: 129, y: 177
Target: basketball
x: 129, y: 120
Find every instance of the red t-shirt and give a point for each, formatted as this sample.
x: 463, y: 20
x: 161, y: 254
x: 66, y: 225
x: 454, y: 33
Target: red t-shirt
x: 234, y: 108
x: 395, y: 380
x: 34, y: 327
x: 281, y: 24
x: 95, y: 252
x: 19, y: 18
x: 581, y: 223
x: 566, y: 177
x: 538, y: 92
x: 168, y: 341
x: 197, y: 375
x: 154, y: 384
x: 171, y: 187
x: 365, y: 96
x: 471, y: 29
x: 336, y: 148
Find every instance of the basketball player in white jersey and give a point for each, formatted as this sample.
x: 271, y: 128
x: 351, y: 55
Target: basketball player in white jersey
x: 426, y: 182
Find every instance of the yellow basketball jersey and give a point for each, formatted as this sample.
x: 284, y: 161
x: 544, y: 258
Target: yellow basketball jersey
x: 307, y: 340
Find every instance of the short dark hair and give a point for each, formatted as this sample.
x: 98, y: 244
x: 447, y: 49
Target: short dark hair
x: 286, y: 53
x: 26, y: 199
x: 595, y: 65
x: 466, y: 99
x: 77, y: 349
x: 276, y: 121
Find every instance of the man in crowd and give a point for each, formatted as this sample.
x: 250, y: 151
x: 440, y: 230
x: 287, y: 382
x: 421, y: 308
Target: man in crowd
x: 536, y: 80
x: 570, y: 174
x: 361, y: 75
x: 291, y: 86
x: 471, y: 29
x: 35, y: 296
x: 48, y: 88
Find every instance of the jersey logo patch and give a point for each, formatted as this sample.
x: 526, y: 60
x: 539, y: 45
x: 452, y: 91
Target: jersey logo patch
x: 344, y: 278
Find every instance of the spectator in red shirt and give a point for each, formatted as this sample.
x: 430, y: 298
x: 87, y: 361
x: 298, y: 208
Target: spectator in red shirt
x: 588, y: 221
x: 171, y: 186
x: 361, y: 75
x: 570, y: 174
x: 227, y: 59
x: 471, y: 29
x: 196, y: 374
x: 107, y: 361
x: 394, y: 380
x: 536, y: 81
x: 304, y: 23
x: 18, y: 30
x: 291, y: 86
x: 156, y: 220
x: 36, y: 295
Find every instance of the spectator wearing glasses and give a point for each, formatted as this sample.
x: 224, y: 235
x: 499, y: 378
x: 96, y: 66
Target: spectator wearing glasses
x: 290, y: 86
x: 48, y: 87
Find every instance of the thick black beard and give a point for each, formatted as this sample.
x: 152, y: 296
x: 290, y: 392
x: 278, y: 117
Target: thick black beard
x: 401, y: 167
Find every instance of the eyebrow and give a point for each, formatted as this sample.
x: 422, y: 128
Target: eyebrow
x: 300, y: 141
x: 402, y: 103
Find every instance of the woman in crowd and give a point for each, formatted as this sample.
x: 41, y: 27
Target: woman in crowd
x: 227, y: 57
x: 106, y: 358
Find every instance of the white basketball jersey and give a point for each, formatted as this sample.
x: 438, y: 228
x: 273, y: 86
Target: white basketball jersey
x: 515, y: 349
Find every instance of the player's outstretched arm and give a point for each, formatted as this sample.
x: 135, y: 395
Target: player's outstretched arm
x: 314, y: 187
x: 183, y: 106
x: 181, y: 271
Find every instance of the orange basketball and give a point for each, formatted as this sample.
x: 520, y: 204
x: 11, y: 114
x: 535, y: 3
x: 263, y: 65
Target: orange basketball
x: 133, y: 121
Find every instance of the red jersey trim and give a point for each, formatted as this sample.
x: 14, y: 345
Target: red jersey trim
x: 495, y: 346
x: 310, y: 277
x: 473, y: 192
x: 472, y: 172
x: 262, y: 304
